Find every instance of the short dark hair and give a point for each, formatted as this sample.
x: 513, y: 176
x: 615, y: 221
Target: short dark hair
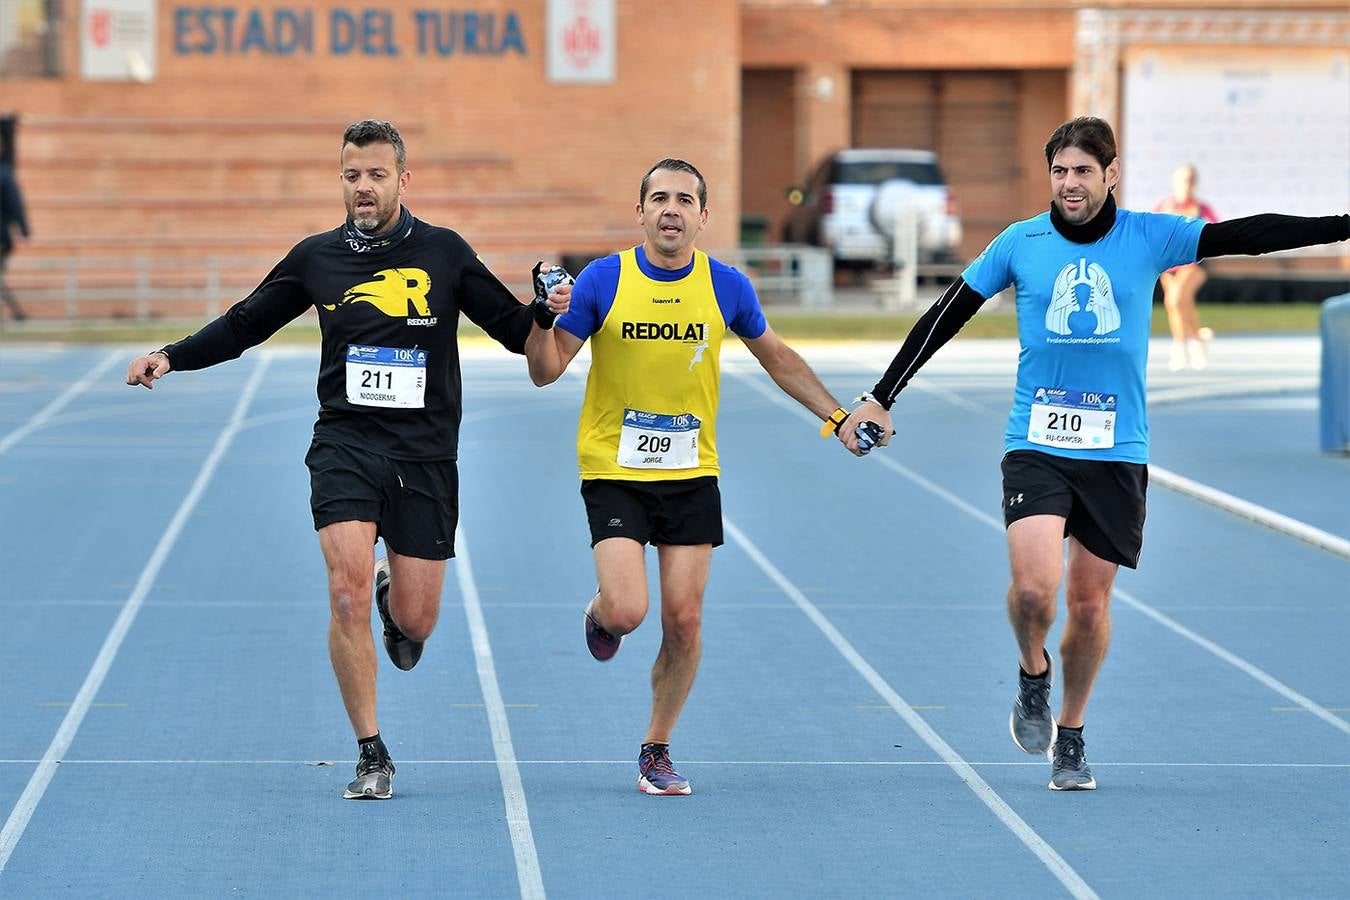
x: 675, y: 165
x: 376, y: 131
x: 1088, y: 133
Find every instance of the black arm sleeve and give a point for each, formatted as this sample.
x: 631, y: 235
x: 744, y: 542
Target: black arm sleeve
x: 934, y: 328
x: 279, y: 299
x: 1268, y: 232
x: 492, y: 307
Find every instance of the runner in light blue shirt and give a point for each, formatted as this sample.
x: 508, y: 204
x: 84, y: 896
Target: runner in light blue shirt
x: 1083, y: 316
x: 1076, y: 447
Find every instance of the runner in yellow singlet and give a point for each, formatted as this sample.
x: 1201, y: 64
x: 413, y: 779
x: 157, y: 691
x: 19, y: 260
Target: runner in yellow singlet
x: 656, y: 315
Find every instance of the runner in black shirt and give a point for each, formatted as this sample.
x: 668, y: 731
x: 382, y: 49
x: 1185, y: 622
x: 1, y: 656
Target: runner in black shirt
x: 388, y: 289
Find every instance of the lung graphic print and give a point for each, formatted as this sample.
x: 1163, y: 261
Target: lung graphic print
x: 1101, y: 299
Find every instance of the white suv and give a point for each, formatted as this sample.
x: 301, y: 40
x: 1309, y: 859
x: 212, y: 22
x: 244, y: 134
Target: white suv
x: 854, y: 198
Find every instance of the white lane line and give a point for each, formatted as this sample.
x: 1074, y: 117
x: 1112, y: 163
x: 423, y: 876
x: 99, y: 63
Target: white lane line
x: 42, y: 416
x: 1161, y: 618
x: 1166, y: 478
x: 829, y: 763
x: 1233, y: 659
x: 65, y: 734
x: 1071, y: 880
x: 1244, y: 509
x: 1242, y: 387
x: 513, y: 791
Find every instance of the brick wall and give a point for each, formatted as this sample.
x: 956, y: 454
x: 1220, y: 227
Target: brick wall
x: 239, y: 152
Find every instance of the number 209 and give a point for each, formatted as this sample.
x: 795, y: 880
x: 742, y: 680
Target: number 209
x: 650, y: 443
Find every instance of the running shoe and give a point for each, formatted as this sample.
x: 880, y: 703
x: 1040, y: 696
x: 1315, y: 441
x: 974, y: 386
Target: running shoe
x: 1031, y: 724
x: 1069, y: 769
x: 403, y: 650
x: 656, y: 773
x: 600, y: 642
x: 1197, y: 353
x: 374, y: 777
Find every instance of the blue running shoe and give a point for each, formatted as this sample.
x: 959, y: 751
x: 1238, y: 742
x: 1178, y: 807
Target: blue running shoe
x: 657, y: 773
x: 600, y: 642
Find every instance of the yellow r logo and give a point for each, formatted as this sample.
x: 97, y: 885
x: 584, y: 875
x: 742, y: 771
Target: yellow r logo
x: 392, y: 292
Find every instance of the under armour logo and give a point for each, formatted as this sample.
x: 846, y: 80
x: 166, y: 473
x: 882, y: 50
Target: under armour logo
x: 615, y: 523
x: 1013, y: 501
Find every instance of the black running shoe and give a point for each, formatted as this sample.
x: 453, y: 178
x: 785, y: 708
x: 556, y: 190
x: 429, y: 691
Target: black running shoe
x: 374, y: 777
x: 404, y: 651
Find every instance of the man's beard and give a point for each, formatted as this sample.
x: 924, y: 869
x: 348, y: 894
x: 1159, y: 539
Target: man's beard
x: 1085, y: 213
x: 373, y: 221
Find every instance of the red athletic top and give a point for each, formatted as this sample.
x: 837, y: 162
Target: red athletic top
x: 1195, y: 210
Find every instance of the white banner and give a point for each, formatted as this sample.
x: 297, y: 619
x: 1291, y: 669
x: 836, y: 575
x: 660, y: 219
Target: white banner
x: 117, y: 40
x: 1268, y: 129
x: 581, y: 41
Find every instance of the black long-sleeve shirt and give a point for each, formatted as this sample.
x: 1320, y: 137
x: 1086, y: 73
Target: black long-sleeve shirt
x: 1250, y: 235
x: 404, y: 296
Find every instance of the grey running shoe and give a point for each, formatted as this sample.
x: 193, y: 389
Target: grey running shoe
x: 1031, y: 723
x: 1069, y: 768
x: 404, y: 651
x: 374, y: 778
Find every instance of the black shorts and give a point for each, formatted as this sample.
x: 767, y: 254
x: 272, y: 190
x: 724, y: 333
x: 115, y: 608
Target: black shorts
x: 1102, y: 502
x: 688, y: 511
x: 414, y: 505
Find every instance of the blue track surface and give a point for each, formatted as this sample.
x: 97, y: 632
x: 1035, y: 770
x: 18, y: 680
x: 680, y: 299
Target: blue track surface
x: 178, y: 573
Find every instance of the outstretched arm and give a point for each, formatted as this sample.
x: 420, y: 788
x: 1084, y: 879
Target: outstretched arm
x: 791, y: 373
x: 1269, y: 232
x: 936, y: 327
x: 279, y: 299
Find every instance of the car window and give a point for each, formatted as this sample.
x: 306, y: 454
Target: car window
x: 878, y: 171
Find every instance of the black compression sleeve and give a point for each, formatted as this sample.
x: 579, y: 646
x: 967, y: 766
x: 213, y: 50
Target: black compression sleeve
x: 934, y: 328
x: 1268, y: 232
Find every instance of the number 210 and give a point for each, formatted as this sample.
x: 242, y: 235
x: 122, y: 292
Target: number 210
x: 1065, y: 421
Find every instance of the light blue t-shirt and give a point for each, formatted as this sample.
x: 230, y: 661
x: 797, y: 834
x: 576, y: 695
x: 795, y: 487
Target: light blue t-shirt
x: 593, y: 295
x: 1083, y: 315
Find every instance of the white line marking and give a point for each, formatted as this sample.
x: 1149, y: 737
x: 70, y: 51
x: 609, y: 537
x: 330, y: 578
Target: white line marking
x: 1279, y: 687
x: 1244, y: 509
x: 1240, y: 388
x: 37, y: 784
x: 43, y: 415
x: 1071, y: 880
x: 513, y: 792
x: 1165, y: 478
x: 898, y: 763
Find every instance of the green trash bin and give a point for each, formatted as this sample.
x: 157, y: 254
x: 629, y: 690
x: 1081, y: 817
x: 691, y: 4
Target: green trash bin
x: 754, y: 230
